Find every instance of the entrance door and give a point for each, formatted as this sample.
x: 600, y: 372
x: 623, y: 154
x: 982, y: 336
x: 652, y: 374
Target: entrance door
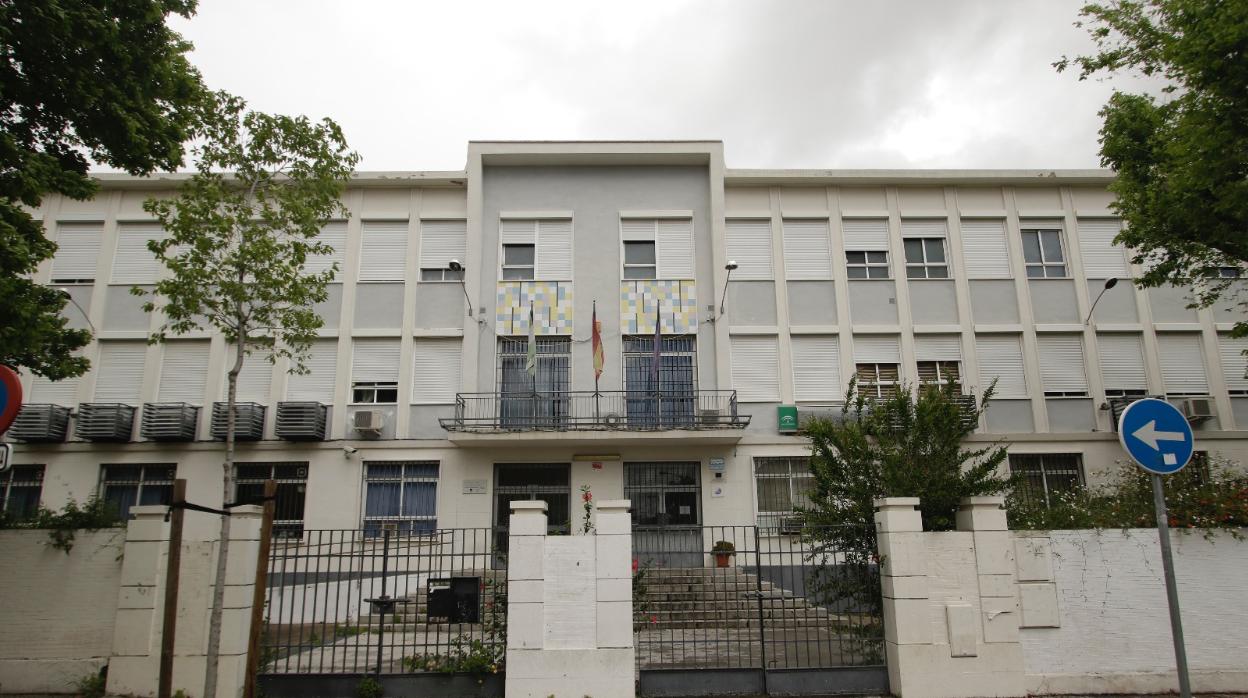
x: 548, y: 482
x: 667, y: 512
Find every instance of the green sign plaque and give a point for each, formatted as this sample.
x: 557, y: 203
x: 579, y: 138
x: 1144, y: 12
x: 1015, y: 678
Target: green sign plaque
x: 786, y: 416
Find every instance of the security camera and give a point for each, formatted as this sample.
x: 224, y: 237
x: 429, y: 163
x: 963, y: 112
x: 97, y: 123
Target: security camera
x: 348, y: 451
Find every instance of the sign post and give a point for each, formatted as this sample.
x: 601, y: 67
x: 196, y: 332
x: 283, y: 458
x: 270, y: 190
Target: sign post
x: 1159, y: 439
x: 10, y: 405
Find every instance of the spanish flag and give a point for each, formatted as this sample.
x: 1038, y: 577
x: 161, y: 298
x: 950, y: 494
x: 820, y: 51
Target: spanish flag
x: 599, y: 356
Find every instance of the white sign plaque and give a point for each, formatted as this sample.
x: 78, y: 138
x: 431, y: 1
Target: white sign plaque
x: 474, y: 486
x: 568, y: 593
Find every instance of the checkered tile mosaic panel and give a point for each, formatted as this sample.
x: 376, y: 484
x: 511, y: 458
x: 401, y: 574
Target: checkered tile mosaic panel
x: 552, y: 307
x: 677, y: 300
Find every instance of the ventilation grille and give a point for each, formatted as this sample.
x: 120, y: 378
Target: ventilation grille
x: 41, y: 424
x: 248, y: 421
x: 169, y: 421
x: 105, y: 421
x: 301, y: 421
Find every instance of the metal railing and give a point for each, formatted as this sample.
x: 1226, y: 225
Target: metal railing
x: 744, y: 597
x: 351, y: 602
x: 590, y: 410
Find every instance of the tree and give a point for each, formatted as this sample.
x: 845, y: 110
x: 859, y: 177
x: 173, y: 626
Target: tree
x: 101, y: 81
x: 907, y: 445
x: 236, y: 244
x: 1181, y: 160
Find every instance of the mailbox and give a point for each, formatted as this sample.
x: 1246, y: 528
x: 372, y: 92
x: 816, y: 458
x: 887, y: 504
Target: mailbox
x: 457, y: 599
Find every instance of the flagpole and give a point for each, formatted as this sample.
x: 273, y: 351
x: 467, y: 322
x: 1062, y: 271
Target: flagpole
x: 594, y: 330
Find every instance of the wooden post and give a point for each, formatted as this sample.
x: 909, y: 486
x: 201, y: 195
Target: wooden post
x: 169, y: 625
x: 258, y: 591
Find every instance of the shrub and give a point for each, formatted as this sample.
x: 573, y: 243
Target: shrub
x: 62, y: 525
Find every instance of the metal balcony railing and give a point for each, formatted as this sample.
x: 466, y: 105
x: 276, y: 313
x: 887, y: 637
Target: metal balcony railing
x: 589, y: 410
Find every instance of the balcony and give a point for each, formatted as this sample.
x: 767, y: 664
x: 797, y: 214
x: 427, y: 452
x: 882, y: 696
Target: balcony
x: 301, y: 421
x: 41, y: 424
x: 620, y: 413
x: 105, y: 422
x: 248, y: 421
x: 169, y: 421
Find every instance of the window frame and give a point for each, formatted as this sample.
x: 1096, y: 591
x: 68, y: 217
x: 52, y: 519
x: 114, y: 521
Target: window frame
x: 1044, y: 264
x: 925, y: 265
x: 879, y: 384
x: 625, y: 266
x: 403, y: 479
x: 447, y: 276
x: 363, y: 388
x: 1046, y: 470
x: 504, y: 266
x: 140, y: 484
x: 940, y: 367
x: 771, y: 519
x: 9, y: 481
x: 867, y: 265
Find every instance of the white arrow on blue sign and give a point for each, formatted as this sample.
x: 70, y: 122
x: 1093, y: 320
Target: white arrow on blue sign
x: 1156, y: 435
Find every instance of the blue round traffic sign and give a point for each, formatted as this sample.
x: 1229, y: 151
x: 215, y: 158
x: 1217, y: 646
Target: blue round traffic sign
x: 10, y: 397
x: 1156, y: 435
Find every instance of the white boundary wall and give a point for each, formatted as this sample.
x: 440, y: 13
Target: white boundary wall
x: 1114, y: 634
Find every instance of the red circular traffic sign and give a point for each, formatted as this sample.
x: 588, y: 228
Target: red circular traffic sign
x: 10, y: 397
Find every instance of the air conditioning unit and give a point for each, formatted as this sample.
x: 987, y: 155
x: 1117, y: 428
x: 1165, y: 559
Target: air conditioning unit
x: 368, y: 420
x: 1199, y: 408
x: 791, y: 526
x: 708, y: 416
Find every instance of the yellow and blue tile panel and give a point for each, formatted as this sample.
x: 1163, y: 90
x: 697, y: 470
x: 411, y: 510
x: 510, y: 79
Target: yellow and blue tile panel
x: 677, y: 300
x: 552, y: 307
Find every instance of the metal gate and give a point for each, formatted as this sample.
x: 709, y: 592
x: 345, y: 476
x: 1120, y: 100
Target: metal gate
x: 758, y: 612
x: 522, y: 482
x: 666, y: 510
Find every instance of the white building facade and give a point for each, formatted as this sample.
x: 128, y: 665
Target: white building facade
x: 418, y: 413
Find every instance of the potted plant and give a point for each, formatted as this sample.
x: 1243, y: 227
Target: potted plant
x: 723, y: 551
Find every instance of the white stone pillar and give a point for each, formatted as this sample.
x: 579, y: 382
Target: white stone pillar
x: 134, y: 667
x: 240, y: 581
x: 903, y: 578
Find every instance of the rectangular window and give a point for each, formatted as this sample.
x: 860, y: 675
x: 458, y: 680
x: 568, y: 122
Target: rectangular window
x: 125, y: 485
x: 375, y: 371
x: 782, y: 484
x: 663, y: 494
x: 639, y: 260
x: 436, y: 370
x: 816, y: 368
x: 1041, y: 477
x: 441, y: 275
x: 940, y: 373
x: 870, y: 264
x: 878, y: 381
x: 1122, y: 365
x: 807, y: 250
x: 21, y: 488
x: 1229, y: 272
x: 925, y: 258
x: 292, y: 485
x: 748, y: 243
x: 518, y: 262
x: 984, y: 250
x: 383, y: 250
x: 539, y: 398
x: 1234, y: 363
x: 374, y: 393
x: 755, y: 367
x: 441, y: 242
x: 668, y: 398
x: 1042, y: 253
x: 1061, y: 365
x: 77, y: 252
x: 401, y: 496
x: 334, y: 236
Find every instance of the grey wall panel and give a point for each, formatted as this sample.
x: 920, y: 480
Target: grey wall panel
x: 763, y: 418
x: 1068, y: 415
x: 1239, y: 406
x: 441, y: 305
x: 331, y: 310
x: 933, y: 302
x: 1053, y: 301
x: 379, y: 306
x: 873, y: 303
x: 994, y: 302
x: 1117, y: 305
x: 596, y: 196
x: 1010, y: 416
x: 1228, y: 309
x: 751, y: 303
x: 387, y: 429
x: 812, y: 303
x: 123, y: 311
x: 423, y: 422
x: 76, y: 314
x: 1169, y: 304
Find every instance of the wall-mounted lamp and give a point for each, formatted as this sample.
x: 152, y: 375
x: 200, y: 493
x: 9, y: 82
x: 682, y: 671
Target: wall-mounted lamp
x: 1109, y: 283
x: 730, y: 266
x: 456, y: 266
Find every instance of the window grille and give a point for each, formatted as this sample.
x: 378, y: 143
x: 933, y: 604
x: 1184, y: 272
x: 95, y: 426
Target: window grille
x: 126, y: 485
x: 663, y: 494
x: 870, y: 264
x: 1041, y: 477
x: 672, y: 399
x: 527, y: 399
x: 401, y: 496
x: 925, y: 258
x: 878, y: 381
x: 21, y: 488
x: 783, y: 483
x: 1042, y: 253
x: 292, y: 483
x: 522, y: 482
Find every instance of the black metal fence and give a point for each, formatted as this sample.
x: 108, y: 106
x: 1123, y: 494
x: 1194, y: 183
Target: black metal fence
x: 741, y: 597
x: 562, y: 410
x: 351, y: 602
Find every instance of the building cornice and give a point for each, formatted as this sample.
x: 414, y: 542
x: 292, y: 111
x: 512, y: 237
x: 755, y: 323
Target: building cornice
x: 748, y: 177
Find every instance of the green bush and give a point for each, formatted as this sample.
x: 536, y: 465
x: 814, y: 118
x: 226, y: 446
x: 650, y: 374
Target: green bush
x: 62, y: 525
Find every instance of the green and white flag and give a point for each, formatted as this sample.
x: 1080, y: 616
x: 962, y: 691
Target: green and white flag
x: 530, y: 361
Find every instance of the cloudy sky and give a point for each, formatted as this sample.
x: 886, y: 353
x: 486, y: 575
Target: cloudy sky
x: 936, y: 83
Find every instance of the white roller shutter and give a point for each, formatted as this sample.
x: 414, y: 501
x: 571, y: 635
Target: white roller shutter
x: 1101, y: 258
x: 183, y: 372
x: 375, y: 360
x: 865, y: 234
x: 924, y: 228
x: 254, y: 380
x: 675, y: 248
x: 77, y: 250
x: 554, y: 250
x: 1122, y: 361
x: 816, y: 368
x: 442, y: 241
x: 938, y: 347
x: 1234, y: 363
x: 1183, y: 363
x: 517, y: 232
x: 755, y: 369
x: 748, y: 243
x: 119, y: 372
x: 638, y: 228
x: 383, y: 252
x: 984, y: 250
x: 807, y: 252
x: 1061, y: 363
x: 333, y: 234
x: 317, y: 385
x: 1001, y: 358
x: 134, y: 263
x: 62, y: 392
x: 877, y: 349
x: 435, y: 370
